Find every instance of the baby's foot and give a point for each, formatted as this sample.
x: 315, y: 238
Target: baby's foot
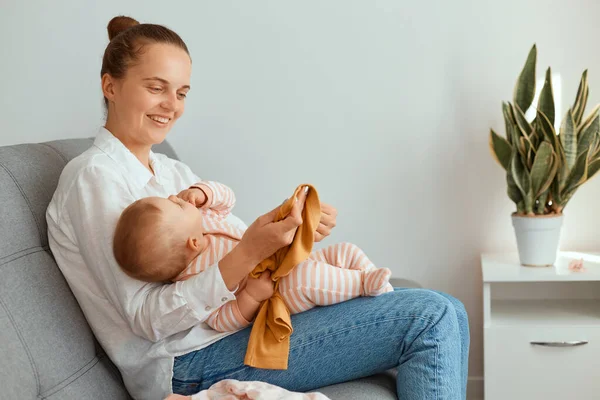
x: 377, y: 281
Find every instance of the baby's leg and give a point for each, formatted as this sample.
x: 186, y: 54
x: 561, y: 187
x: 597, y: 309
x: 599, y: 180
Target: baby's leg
x: 343, y: 255
x: 313, y: 283
x: 348, y: 255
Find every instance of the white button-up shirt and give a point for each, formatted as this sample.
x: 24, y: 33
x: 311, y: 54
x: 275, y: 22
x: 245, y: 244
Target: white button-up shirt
x: 142, y: 326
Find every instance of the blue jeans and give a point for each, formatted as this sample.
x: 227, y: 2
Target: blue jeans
x: 422, y: 333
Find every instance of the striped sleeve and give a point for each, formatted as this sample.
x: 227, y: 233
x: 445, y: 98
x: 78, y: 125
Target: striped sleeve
x: 221, y: 198
x: 227, y: 318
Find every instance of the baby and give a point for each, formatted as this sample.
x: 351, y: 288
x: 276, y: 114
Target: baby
x: 159, y: 240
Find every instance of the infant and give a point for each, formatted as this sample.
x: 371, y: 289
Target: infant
x: 172, y: 239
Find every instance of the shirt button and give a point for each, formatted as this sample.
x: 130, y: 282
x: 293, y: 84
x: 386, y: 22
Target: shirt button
x: 224, y: 299
x: 207, y: 308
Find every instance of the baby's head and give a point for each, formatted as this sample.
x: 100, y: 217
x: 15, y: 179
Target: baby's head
x: 156, y: 238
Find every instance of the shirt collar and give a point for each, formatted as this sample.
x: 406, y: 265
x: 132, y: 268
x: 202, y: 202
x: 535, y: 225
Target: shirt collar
x: 117, y: 151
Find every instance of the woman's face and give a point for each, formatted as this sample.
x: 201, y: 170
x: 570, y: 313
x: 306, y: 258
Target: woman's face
x: 151, y: 97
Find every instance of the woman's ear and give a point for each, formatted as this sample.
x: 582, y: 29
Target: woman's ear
x: 108, y: 87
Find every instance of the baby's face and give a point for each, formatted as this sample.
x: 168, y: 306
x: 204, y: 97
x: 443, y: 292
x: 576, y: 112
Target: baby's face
x: 183, y: 215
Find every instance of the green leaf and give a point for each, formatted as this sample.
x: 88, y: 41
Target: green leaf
x: 551, y: 175
x: 547, y: 129
x: 516, y: 132
x: 525, y: 86
x: 541, y: 168
x: 588, y: 120
x: 522, y: 123
x: 535, y: 138
x: 546, y: 101
x: 520, y: 175
x: 541, y: 205
x: 530, y: 155
x: 593, y: 167
x: 561, y: 176
x: 522, y: 147
x: 596, y: 147
x: 568, y: 139
x: 511, y: 188
x: 508, y: 122
x: 501, y: 149
x: 577, y: 175
x: 555, y: 191
x: 580, y: 99
x: 588, y: 135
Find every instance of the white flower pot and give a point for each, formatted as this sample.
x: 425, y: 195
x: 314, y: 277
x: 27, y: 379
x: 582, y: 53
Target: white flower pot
x: 537, y: 238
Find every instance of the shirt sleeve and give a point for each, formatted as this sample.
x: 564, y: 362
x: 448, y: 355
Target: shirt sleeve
x: 153, y: 311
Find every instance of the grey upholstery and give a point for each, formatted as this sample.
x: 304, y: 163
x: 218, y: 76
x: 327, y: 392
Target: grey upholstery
x: 47, y: 350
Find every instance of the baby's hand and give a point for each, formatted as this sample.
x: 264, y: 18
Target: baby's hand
x: 194, y: 196
x: 260, y: 288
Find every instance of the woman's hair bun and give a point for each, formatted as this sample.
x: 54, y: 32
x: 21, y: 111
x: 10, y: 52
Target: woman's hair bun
x: 119, y: 24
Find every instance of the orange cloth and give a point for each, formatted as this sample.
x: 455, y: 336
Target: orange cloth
x: 269, y: 343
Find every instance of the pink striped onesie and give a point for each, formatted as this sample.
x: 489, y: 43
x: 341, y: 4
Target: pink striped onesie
x: 329, y: 276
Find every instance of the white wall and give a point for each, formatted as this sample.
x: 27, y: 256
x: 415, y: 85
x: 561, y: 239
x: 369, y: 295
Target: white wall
x: 385, y: 106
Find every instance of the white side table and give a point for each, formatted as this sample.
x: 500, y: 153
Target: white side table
x: 541, y: 329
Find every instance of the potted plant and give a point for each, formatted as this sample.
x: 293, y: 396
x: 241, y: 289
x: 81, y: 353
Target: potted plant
x: 544, y: 169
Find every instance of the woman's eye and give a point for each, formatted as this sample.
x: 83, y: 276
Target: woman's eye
x: 182, y: 95
x: 155, y: 89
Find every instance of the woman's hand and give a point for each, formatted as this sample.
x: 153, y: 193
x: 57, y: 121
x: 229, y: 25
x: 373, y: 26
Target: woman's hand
x: 327, y: 222
x: 264, y: 237
x: 260, y: 241
x: 261, y: 288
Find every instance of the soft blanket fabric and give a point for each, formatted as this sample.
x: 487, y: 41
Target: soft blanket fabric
x: 231, y: 389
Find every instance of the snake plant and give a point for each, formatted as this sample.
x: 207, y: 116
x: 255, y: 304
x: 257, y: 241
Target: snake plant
x: 543, y: 168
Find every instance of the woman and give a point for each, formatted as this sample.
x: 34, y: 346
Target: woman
x: 155, y: 333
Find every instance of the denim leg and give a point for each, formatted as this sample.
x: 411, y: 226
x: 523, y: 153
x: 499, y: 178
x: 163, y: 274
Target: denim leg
x: 415, y: 330
x: 465, y: 338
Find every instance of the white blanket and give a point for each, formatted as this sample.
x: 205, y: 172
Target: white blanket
x: 231, y: 389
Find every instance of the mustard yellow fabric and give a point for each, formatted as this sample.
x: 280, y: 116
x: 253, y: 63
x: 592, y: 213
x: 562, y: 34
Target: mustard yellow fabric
x: 269, y: 343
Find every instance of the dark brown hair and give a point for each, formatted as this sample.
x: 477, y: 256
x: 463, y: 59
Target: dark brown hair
x: 145, y: 246
x: 127, y: 39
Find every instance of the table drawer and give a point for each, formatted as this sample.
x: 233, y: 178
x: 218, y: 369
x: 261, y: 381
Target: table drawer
x: 559, y: 367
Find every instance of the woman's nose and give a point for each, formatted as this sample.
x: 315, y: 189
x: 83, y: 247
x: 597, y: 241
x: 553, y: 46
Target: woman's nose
x: 169, y: 103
